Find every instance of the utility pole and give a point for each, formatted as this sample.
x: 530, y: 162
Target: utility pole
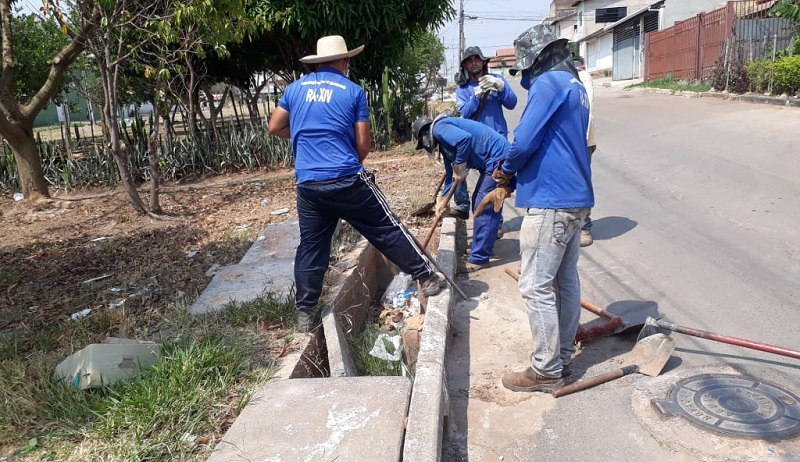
x: 461, y: 31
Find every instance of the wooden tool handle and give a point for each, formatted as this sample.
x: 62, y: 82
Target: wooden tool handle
x: 438, y: 216
x: 594, y: 381
x: 597, y: 310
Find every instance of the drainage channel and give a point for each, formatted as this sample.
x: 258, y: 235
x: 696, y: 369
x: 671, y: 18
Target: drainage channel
x: 323, y: 410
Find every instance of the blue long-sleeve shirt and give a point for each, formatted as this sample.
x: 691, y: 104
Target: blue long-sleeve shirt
x: 492, y: 112
x: 471, y: 142
x: 549, y: 153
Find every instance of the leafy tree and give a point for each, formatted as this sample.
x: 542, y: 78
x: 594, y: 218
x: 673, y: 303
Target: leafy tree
x: 789, y: 9
x: 18, y: 109
x: 292, y: 28
x: 36, y: 41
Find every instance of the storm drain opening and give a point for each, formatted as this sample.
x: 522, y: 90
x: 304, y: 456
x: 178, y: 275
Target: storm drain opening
x: 734, y: 405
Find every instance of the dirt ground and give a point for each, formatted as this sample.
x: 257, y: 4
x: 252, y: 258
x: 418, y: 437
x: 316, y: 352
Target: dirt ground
x: 89, y: 249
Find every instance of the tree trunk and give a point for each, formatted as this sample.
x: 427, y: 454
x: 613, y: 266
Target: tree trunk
x: 29, y: 164
x: 152, y: 155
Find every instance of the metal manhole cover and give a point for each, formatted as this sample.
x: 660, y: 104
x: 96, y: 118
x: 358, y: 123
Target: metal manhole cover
x: 735, y: 405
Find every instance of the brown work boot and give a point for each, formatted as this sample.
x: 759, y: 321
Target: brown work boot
x: 432, y: 285
x: 529, y: 381
x: 586, y: 238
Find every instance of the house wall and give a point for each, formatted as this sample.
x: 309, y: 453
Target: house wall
x: 586, y: 9
x: 599, y: 53
x: 565, y: 28
x: 679, y: 10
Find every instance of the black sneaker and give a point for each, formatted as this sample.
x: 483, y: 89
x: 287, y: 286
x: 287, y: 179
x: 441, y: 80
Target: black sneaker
x: 464, y: 215
x: 433, y: 285
x: 304, y: 320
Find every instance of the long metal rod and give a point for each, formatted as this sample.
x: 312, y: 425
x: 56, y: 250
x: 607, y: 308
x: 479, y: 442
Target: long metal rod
x: 724, y: 338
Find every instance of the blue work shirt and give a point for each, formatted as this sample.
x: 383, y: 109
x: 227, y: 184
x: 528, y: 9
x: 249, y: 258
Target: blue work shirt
x: 549, y: 153
x: 463, y: 140
x: 492, y: 112
x: 324, y: 107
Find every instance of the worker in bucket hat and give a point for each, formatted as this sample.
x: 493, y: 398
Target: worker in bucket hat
x: 326, y: 117
x: 550, y: 159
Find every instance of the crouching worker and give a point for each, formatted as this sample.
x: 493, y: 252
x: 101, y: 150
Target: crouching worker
x: 326, y: 117
x: 466, y: 144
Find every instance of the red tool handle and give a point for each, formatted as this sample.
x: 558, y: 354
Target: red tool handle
x: 730, y: 340
x: 594, y: 381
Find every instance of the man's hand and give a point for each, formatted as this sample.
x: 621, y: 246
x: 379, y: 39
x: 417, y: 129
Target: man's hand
x: 500, y: 177
x: 459, y: 172
x: 495, y: 197
x: 479, y: 92
x: 491, y: 83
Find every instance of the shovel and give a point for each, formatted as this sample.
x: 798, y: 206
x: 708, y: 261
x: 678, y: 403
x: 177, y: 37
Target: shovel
x: 648, y: 357
x: 651, y: 325
x: 430, y: 205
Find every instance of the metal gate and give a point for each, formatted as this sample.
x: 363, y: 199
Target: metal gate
x: 626, y: 51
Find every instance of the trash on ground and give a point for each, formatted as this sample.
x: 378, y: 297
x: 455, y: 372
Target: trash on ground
x: 80, y: 314
x: 280, y: 211
x: 101, y: 364
x: 383, y: 343
x: 98, y: 278
x: 18, y: 197
x: 191, y: 253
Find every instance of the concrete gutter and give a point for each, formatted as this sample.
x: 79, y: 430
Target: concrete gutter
x: 295, y: 401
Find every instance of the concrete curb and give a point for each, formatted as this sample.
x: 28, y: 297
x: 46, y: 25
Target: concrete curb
x: 756, y: 99
x: 429, y: 399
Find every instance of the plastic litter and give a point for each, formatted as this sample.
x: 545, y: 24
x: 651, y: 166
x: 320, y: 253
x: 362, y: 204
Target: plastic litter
x: 380, y: 350
x: 18, y: 197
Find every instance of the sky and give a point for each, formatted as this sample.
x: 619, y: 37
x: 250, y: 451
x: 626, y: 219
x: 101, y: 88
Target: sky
x: 497, y: 24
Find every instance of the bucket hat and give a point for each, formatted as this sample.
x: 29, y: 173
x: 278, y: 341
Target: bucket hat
x: 530, y: 44
x: 473, y: 51
x: 331, y: 48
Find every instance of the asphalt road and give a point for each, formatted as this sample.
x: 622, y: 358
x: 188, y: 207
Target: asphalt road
x: 696, y: 220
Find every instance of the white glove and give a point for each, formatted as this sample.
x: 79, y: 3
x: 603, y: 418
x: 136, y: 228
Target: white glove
x: 459, y: 172
x: 479, y: 92
x: 491, y: 83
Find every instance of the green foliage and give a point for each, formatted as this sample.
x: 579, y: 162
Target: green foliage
x: 781, y: 76
x: 789, y: 9
x: 267, y: 308
x: 239, y: 149
x: 36, y: 41
x: 787, y: 76
x: 368, y: 364
x: 669, y: 83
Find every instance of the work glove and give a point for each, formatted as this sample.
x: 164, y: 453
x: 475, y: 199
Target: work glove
x: 441, y: 205
x: 459, y: 172
x: 496, y: 197
x: 479, y: 92
x: 500, y: 177
x: 491, y: 83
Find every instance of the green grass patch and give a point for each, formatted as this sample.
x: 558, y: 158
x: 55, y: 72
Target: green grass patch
x: 368, y: 364
x: 208, y: 370
x: 668, y: 83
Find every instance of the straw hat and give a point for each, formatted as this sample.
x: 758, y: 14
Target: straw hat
x: 331, y: 48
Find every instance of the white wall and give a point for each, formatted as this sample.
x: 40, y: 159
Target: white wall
x: 599, y: 53
x: 679, y: 10
x: 587, y: 8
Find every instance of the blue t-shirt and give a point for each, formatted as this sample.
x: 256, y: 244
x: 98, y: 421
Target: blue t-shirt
x: 492, y: 112
x: 549, y: 152
x: 324, y: 107
x: 463, y: 140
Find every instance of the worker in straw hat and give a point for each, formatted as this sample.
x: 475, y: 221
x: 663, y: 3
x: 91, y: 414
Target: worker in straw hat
x: 326, y: 117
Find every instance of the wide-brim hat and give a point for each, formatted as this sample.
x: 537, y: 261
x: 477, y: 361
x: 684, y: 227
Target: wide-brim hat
x: 331, y: 48
x: 529, y: 45
x: 473, y: 51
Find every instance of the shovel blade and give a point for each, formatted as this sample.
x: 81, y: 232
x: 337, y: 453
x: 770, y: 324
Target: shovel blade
x: 651, y: 353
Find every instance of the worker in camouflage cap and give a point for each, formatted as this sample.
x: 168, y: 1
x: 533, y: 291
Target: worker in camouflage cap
x: 549, y: 159
x: 531, y: 43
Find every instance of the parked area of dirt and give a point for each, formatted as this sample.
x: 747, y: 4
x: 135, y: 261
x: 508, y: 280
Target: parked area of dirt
x: 88, y: 249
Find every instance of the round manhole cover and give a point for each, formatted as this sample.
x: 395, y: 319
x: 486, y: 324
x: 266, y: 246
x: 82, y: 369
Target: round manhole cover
x: 735, y: 405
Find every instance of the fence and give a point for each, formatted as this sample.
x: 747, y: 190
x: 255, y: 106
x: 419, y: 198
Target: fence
x: 691, y: 49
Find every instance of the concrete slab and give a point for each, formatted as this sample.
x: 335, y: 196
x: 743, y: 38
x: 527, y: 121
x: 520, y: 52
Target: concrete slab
x: 268, y: 266
x: 344, y: 418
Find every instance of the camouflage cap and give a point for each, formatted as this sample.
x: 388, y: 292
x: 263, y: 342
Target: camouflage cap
x: 473, y: 51
x: 529, y: 44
